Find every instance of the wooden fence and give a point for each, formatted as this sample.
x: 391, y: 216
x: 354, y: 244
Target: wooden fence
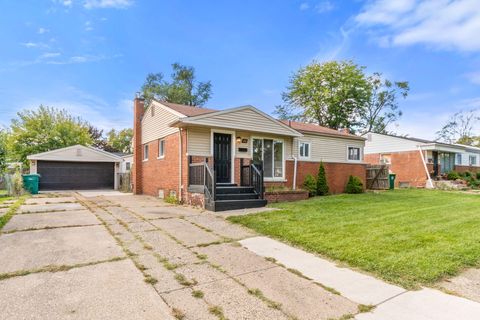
x: 377, y: 177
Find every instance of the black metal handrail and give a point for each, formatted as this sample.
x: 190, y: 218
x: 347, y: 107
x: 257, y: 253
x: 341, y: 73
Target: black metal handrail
x: 256, y: 179
x: 210, y: 184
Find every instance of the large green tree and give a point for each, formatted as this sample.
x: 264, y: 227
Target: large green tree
x: 45, y: 129
x: 120, y: 140
x: 3, y: 150
x: 382, y: 107
x: 182, y: 87
x: 331, y: 94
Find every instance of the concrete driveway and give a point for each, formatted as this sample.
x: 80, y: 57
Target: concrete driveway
x: 113, y: 256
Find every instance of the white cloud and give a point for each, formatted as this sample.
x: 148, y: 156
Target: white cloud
x: 304, y: 6
x: 324, y: 6
x: 31, y: 44
x: 117, y: 4
x: 335, y: 51
x: 444, y: 24
x: 42, y: 30
x: 49, y: 55
x: 88, y: 26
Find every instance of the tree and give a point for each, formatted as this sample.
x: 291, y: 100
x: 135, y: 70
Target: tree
x: 183, y: 88
x: 121, y: 140
x: 3, y: 151
x: 331, y: 94
x: 45, y: 129
x: 382, y: 107
x: 98, y: 140
x: 459, y: 129
x: 322, y: 185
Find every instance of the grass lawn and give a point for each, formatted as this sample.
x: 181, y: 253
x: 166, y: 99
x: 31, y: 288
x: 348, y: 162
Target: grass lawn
x: 408, y: 237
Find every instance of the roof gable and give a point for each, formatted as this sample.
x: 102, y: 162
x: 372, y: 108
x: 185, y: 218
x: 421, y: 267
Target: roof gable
x: 76, y: 153
x: 317, y: 129
x: 246, y: 118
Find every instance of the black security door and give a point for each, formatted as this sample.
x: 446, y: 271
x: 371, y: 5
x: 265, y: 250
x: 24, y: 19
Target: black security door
x: 222, y: 156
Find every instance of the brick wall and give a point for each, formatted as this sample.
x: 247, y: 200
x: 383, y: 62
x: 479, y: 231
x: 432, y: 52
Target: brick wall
x: 408, y: 166
x: 466, y: 168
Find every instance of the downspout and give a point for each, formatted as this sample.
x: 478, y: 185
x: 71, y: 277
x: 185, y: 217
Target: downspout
x: 294, y: 173
x: 180, y: 149
x: 429, y: 184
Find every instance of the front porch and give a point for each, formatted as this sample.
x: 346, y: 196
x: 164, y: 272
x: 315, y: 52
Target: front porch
x: 203, y: 180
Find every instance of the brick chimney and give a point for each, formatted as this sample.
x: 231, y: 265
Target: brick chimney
x: 138, y: 110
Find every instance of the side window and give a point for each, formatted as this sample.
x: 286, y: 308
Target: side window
x: 305, y: 149
x: 354, y: 153
x: 161, y: 148
x: 459, y: 158
x: 145, y: 152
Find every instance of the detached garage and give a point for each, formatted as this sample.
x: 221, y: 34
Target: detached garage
x: 76, y: 168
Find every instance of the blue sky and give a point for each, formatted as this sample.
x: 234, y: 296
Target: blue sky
x: 91, y: 56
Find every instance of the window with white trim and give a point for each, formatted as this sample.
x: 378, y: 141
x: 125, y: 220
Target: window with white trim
x: 127, y: 166
x: 459, y: 158
x: 145, y: 152
x: 161, y: 148
x: 354, y: 154
x: 472, y: 160
x: 269, y: 152
x: 304, y: 149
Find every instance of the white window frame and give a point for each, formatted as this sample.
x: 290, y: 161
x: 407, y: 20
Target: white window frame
x: 146, y: 152
x: 360, y: 153
x: 271, y: 179
x: 309, y: 156
x: 459, y: 156
x: 233, y: 147
x: 161, y: 156
x: 470, y: 157
x: 128, y: 166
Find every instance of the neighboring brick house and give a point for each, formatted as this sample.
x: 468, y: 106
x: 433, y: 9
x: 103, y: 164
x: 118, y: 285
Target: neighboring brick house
x: 179, y: 149
x: 414, y: 160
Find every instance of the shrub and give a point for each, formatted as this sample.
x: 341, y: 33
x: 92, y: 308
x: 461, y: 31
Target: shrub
x: 310, y: 185
x: 14, y: 184
x: 354, y: 185
x: 453, y: 175
x: 171, y: 199
x: 473, y: 183
x: 468, y: 174
x: 322, y: 186
x: 477, y: 175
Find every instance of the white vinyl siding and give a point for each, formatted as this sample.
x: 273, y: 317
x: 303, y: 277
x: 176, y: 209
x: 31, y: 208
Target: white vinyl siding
x: 378, y: 143
x: 465, y: 158
x: 327, y: 149
x: 157, y: 126
x: 199, y: 139
x: 245, y: 120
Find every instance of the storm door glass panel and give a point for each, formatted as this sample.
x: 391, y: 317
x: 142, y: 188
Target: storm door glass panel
x: 278, y: 159
x: 257, y: 150
x: 267, y: 158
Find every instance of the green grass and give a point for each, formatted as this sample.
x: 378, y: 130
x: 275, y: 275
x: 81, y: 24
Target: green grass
x: 408, y: 237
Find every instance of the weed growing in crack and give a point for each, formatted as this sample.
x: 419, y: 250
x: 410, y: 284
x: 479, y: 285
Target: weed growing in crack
x: 197, y: 294
x: 217, y: 311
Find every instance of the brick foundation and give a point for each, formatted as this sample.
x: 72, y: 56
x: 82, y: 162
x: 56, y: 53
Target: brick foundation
x: 408, y: 166
x: 286, y: 196
x: 461, y: 169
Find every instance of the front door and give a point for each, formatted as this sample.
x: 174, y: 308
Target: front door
x: 222, y: 157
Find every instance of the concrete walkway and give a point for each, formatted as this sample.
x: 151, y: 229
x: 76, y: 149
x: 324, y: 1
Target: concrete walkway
x: 391, y: 302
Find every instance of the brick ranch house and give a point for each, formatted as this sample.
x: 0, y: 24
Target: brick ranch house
x: 414, y: 160
x: 224, y: 159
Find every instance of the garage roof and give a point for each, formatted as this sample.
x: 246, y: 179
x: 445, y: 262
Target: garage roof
x: 77, y: 153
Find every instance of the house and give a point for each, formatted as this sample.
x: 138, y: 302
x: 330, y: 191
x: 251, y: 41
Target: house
x: 415, y: 160
x: 75, y: 168
x: 223, y: 159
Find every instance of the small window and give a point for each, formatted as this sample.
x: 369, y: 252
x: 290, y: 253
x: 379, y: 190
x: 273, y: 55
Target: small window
x: 473, y: 160
x: 304, y: 149
x: 161, y: 148
x: 459, y: 158
x: 354, y: 153
x: 127, y: 166
x: 145, y: 152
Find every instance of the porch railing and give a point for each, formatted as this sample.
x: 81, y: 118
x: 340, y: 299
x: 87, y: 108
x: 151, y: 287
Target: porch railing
x: 201, y: 178
x: 251, y: 175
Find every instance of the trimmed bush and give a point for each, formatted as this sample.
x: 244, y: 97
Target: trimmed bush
x: 477, y: 175
x: 310, y: 185
x: 322, y: 185
x: 354, y: 185
x: 453, y: 175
